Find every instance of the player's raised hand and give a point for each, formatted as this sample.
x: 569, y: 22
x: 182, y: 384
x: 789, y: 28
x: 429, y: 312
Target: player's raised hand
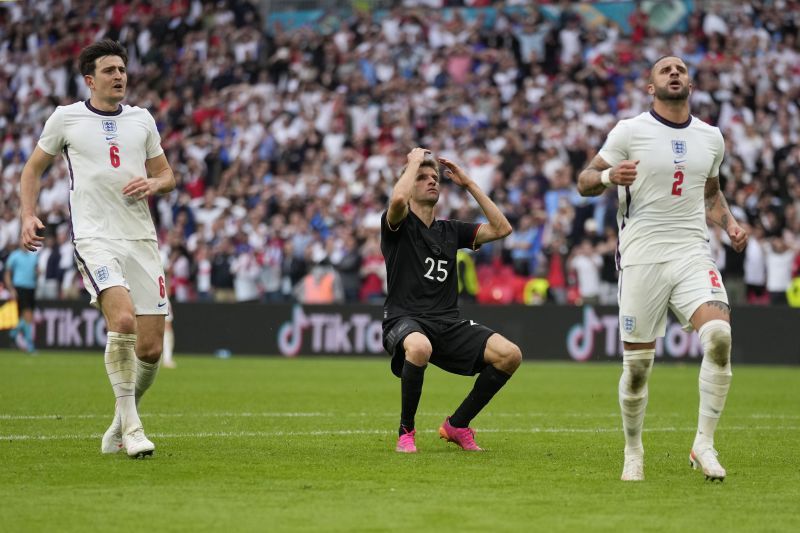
x: 417, y: 155
x: 738, y: 236
x: 455, y: 173
x: 28, y: 234
x: 624, y: 174
x: 138, y: 188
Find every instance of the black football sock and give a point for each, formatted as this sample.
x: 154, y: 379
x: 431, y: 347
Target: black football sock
x: 411, y: 390
x: 486, y: 386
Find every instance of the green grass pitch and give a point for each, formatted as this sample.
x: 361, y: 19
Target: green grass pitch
x: 271, y: 444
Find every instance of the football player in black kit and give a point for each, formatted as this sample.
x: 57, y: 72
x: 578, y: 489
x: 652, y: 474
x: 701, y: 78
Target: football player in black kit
x: 421, y: 318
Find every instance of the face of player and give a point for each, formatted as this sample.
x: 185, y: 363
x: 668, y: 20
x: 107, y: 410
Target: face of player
x: 426, y: 188
x: 110, y: 79
x: 670, y: 80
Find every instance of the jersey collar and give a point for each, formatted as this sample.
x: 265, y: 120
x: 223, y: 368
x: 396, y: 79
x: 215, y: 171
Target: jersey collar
x: 93, y: 109
x: 676, y: 125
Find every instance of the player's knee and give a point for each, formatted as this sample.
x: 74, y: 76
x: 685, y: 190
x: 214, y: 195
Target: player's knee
x: 715, y: 336
x: 149, y: 352
x: 123, y: 323
x: 511, y: 358
x: 418, y: 350
x: 636, y: 373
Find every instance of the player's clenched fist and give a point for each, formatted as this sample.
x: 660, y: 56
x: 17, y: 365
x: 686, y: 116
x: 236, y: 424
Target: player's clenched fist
x: 624, y: 174
x: 738, y: 237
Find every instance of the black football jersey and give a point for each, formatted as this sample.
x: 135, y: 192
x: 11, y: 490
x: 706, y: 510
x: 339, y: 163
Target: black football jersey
x: 421, y: 265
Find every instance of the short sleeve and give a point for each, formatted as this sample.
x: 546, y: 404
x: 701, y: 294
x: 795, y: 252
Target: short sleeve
x: 388, y: 233
x: 616, y: 146
x: 719, y: 153
x: 154, y: 148
x: 467, y: 233
x: 52, y: 139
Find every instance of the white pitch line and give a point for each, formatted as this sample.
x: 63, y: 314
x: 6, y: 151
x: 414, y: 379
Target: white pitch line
x: 249, y: 434
x: 167, y: 415
x: 201, y: 414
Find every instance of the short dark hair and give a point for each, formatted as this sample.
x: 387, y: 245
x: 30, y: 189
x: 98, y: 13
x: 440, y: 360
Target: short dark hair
x: 657, y: 61
x: 90, y: 54
x: 425, y: 163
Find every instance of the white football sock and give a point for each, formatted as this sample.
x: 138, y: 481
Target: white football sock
x: 120, y: 359
x: 715, y: 379
x: 145, y: 376
x: 636, y: 367
x: 169, y: 345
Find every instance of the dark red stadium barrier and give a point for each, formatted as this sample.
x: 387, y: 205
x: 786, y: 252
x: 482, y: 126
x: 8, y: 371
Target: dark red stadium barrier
x: 761, y: 334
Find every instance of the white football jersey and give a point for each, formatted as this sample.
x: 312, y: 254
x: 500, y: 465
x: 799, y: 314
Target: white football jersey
x: 104, y: 151
x: 662, y: 216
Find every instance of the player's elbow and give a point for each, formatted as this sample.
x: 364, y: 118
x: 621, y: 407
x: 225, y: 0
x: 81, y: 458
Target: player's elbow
x: 583, y: 188
x: 170, y: 184
x: 505, y: 230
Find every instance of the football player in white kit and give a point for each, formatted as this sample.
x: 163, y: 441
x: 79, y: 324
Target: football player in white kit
x: 664, y: 165
x: 116, y: 162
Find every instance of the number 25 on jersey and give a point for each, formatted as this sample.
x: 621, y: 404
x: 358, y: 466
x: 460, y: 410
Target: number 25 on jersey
x: 440, y: 266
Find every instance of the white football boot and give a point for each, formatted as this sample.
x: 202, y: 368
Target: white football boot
x: 112, y: 438
x: 633, y: 468
x: 137, y: 444
x: 705, y: 459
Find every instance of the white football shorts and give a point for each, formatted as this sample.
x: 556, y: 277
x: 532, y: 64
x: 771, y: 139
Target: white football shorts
x: 135, y: 265
x: 647, y: 291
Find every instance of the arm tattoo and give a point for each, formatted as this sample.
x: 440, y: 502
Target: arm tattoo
x: 722, y: 306
x: 599, y: 188
x: 716, y: 205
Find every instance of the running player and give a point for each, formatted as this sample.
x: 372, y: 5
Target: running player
x: 116, y: 162
x: 421, y: 317
x: 664, y: 165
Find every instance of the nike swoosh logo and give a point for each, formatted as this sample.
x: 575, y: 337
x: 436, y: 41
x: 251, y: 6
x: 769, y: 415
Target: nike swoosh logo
x: 678, y: 161
x: 162, y: 304
x: 111, y: 138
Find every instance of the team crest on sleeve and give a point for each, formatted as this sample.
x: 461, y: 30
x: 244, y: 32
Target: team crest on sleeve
x: 110, y: 126
x: 628, y: 323
x: 101, y: 274
x: 679, y: 147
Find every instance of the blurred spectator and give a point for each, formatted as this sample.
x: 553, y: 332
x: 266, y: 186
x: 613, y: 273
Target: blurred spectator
x: 755, y: 267
x: 322, y: 285
x: 779, y: 260
x: 586, y: 263
x: 373, y: 272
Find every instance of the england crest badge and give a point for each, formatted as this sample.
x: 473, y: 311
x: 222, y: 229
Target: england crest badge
x: 628, y: 323
x: 110, y: 126
x: 679, y: 147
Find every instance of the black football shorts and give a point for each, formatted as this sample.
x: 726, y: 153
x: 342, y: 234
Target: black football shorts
x: 458, y: 344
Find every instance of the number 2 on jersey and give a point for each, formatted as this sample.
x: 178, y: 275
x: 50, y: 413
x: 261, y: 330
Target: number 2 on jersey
x: 676, y: 185
x: 714, y: 279
x: 113, y: 153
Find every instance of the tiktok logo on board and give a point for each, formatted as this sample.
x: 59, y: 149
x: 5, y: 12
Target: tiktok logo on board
x: 582, y: 338
x: 330, y: 333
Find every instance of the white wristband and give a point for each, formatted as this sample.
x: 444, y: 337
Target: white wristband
x: 605, y: 178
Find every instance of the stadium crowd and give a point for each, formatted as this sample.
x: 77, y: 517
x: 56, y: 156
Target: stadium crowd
x: 285, y: 144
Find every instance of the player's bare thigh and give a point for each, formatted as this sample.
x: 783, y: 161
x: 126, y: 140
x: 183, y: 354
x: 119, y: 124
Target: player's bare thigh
x: 502, y: 354
x: 418, y: 348
x: 117, y: 307
x: 707, y: 311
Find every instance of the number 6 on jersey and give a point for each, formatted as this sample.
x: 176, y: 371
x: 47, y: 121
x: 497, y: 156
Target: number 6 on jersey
x: 113, y: 153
